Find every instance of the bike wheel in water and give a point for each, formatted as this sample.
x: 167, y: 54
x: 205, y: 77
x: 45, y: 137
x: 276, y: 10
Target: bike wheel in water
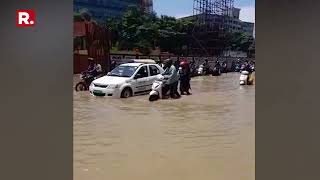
x: 81, y: 86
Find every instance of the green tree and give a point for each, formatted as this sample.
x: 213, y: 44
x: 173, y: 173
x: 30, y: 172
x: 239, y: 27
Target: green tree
x: 137, y: 29
x: 114, y: 26
x: 238, y: 41
x: 174, y: 35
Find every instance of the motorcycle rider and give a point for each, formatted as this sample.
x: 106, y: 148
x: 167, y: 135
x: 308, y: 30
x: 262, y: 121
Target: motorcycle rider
x: 192, y: 68
x: 171, y: 75
x: 185, y: 75
x: 252, y: 64
x: 206, y: 66
x: 224, y: 66
x: 238, y: 65
x: 92, y: 71
x: 113, y: 65
x: 217, y: 65
x: 93, y: 68
x: 175, y: 87
x: 247, y: 67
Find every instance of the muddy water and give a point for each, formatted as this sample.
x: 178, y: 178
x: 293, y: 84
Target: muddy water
x: 208, y: 135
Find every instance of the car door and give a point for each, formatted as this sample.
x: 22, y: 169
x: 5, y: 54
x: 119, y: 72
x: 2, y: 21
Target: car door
x: 141, y: 80
x: 154, y: 71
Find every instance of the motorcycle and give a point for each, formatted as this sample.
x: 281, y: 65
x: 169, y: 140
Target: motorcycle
x: 216, y: 71
x: 156, y: 89
x: 85, y: 82
x: 245, y: 78
x: 201, y: 70
x: 224, y: 68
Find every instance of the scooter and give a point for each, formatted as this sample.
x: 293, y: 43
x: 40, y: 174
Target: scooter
x: 245, y: 79
x: 216, y: 71
x: 201, y: 70
x: 156, y: 90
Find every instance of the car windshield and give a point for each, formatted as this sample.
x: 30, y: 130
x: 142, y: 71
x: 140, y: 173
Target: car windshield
x: 123, y: 71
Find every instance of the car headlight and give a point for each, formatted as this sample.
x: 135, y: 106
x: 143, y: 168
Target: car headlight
x: 113, y: 86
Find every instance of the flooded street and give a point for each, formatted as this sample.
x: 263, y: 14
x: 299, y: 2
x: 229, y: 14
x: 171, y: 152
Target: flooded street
x: 209, y: 135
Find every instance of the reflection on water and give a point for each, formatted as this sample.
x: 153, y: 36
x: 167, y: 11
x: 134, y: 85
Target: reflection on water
x: 208, y: 135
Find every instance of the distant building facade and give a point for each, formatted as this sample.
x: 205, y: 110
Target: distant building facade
x: 248, y: 28
x: 101, y: 10
x: 235, y: 13
x: 232, y: 22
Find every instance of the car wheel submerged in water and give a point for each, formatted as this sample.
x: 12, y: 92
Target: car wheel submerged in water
x: 126, y: 92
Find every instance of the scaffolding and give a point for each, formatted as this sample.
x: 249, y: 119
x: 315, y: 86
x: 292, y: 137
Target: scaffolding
x: 147, y: 5
x: 213, y: 13
x: 212, y: 21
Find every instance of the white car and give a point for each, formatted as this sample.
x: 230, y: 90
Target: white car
x: 126, y: 80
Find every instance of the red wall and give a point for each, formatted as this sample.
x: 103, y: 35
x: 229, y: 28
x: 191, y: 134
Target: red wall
x: 80, y: 63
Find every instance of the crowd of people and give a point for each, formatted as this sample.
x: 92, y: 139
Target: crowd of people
x: 181, y: 71
x: 175, y: 73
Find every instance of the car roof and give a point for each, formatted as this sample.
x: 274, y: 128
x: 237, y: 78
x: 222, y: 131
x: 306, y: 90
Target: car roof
x: 145, y: 61
x: 131, y: 64
x: 135, y: 64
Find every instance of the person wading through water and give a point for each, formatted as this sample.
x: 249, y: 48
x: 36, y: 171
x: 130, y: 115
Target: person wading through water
x: 185, y: 76
x: 171, y: 75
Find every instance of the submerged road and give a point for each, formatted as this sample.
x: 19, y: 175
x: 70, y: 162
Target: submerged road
x: 208, y: 135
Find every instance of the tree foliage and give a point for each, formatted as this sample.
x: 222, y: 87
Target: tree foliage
x: 139, y: 30
x: 238, y: 41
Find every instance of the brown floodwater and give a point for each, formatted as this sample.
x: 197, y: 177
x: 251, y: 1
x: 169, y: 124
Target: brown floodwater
x: 208, y: 135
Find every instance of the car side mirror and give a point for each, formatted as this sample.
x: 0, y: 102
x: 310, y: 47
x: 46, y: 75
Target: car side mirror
x: 108, y: 73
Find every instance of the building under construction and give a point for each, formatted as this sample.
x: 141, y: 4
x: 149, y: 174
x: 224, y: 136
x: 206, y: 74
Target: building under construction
x: 147, y: 5
x: 212, y: 19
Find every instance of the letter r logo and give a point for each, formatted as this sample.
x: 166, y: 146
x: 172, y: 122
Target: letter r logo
x: 25, y: 18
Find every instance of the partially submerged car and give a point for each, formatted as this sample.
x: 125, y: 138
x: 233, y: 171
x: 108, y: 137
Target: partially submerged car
x: 127, y: 80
